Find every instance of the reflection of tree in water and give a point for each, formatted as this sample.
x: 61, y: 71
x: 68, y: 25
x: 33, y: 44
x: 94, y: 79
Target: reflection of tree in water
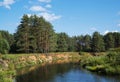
x: 62, y: 73
x: 44, y: 73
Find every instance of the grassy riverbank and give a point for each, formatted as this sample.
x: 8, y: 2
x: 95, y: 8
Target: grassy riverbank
x: 102, y: 63
x: 10, y: 62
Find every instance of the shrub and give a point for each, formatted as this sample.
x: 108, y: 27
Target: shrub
x: 4, y: 46
x: 113, y: 58
x: 93, y: 60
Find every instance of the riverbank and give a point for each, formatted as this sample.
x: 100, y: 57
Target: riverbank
x: 106, y: 63
x: 9, y: 63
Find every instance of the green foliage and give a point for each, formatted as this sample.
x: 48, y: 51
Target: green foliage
x: 22, y: 35
x: 109, y: 41
x: 97, y: 43
x: 6, y: 41
x: 98, y: 68
x: 93, y: 61
x: 6, y: 76
x: 11, y: 66
x: 35, y: 34
x: 71, y: 44
x: 109, y: 63
x: 114, y: 49
x: 7, y: 36
x: 5, y: 80
x: 116, y: 36
x: 4, y: 46
x: 62, y: 42
x: 87, y: 42
x: 113, y: 58
x: 112, y: 40
x: 113, y: 70
x: 79, y: 43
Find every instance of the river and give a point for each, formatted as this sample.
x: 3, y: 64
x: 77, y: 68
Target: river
x: 60, y: 73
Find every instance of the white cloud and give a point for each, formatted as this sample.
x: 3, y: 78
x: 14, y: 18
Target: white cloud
x: 37, y: 8
x: 107, y: 31
x: 115, y: 31
x: 44, y: 11
x: 29, y: 15
x: 7, y: 3
x: 48, y: 6
x: 50, y: 16
x: 46, y: 1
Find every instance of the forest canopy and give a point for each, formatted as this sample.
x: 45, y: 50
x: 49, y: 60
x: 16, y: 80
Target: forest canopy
x: 36, y: 35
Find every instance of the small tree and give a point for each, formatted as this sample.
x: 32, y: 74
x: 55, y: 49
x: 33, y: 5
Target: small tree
x: 4, y: 46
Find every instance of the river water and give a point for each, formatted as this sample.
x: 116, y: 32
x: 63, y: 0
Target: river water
x: 61, y: 73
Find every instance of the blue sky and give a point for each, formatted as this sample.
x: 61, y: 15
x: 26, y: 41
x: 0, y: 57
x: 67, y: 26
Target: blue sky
x: 75, y: 17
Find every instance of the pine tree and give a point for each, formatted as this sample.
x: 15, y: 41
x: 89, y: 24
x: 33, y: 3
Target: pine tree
x: 79, y: 43
x: 116, y: 36
x: 97, y: 42
x: 87, y: 41
x: 62, y: 42
x: 22, y: 35
x: 35, y: 34
x: 109, y: 41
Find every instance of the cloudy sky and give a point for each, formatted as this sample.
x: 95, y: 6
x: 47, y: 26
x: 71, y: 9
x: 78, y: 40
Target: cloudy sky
x: 75, y: 17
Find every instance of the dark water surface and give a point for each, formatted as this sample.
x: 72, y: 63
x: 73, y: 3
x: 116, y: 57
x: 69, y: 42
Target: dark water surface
x: 61, y: 73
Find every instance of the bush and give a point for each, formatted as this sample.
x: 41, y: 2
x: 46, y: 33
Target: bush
x: 4, y: 46
x: 109, y: 63
x: 93, y: 60
x: 113, y: 70
x: 113, y: 58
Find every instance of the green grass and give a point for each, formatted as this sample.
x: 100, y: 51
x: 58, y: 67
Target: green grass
x: 108, y: 63
x: 6, y: 75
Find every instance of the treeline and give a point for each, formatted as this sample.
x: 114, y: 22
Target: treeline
x: 36, y: 35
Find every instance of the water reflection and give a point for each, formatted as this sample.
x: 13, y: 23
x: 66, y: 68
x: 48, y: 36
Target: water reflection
x: 61, y: 73
x: 43, y: 73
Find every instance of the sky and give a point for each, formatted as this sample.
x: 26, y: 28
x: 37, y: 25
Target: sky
x: 75, y: 17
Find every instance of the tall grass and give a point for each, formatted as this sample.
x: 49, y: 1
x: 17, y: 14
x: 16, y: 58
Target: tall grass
x: 107, y: 64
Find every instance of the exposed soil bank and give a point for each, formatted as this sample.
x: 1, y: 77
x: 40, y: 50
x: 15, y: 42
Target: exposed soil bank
x: 9, y: 63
